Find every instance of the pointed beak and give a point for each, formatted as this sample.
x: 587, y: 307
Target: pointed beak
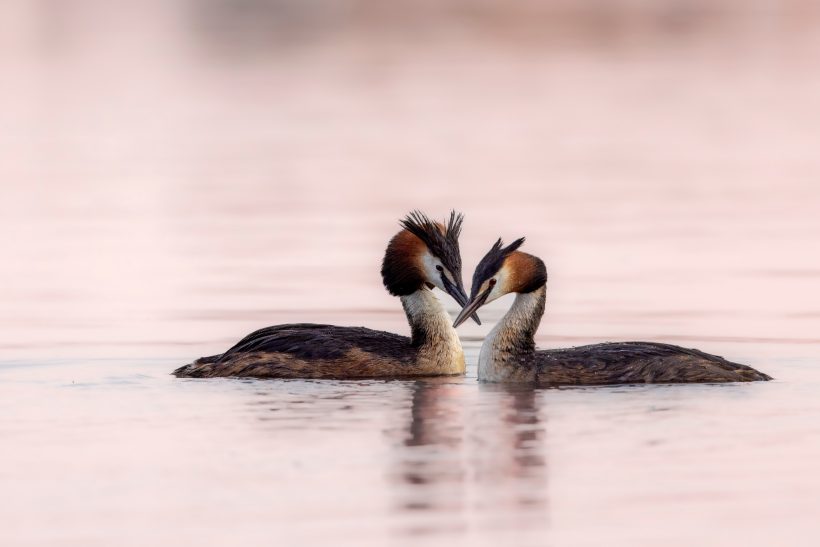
x: 472, y: 306
x: 459, y: 295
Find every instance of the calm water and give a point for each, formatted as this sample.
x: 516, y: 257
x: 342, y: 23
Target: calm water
x: 163, y: 195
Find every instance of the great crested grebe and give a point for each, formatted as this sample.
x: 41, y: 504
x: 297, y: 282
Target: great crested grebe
x: 423, y: 255
x: 508, y: 353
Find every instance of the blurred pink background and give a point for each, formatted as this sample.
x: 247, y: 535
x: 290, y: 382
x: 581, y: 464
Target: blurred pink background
x: 177, y: 172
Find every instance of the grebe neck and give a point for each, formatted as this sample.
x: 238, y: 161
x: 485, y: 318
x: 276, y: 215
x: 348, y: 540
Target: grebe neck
x: 432, y: 333
x: 513, y: 338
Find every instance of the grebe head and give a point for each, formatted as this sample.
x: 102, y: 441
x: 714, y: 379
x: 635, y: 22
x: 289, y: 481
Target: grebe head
x: 503, y: 270
x: 425, y: 253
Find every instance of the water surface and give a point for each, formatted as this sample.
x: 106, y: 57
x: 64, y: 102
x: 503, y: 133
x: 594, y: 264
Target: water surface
x: 168, y: 188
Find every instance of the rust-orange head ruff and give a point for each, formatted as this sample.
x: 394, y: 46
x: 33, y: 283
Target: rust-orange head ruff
x: 425, y: 253
x: 503, y: 270
x: 524, y: 272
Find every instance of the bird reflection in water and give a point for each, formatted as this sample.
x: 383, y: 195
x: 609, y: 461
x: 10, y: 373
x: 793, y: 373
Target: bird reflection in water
x: 468, y: 452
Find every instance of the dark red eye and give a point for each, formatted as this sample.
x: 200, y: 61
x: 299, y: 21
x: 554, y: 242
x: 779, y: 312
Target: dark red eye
x: 492, y: 282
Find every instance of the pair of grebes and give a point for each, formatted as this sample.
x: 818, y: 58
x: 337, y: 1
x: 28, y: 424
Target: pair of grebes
x: 424, y: 255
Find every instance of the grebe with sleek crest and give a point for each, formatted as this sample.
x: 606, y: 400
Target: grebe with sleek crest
x: 508, y: 353
x: 423, y: 255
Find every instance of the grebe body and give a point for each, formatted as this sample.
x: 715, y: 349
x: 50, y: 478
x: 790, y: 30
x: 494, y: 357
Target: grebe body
x: 422, y: 256
x: 508, y: 354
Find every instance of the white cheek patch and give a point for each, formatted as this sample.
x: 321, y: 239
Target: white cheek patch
x: 429, y: 263
x: 500, y: 289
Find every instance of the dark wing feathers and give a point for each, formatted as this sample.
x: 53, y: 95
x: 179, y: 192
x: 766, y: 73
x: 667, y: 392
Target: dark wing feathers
x: 637, y: 362
x: 306, y: 343
x: 266, y: 332
x: 310, y: 341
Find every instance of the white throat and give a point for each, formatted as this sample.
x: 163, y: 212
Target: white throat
x: 510, y: 337
x: 440, y: 351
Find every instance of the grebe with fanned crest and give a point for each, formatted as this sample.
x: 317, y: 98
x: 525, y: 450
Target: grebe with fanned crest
x: 423, y: 255
x: 508, y: 353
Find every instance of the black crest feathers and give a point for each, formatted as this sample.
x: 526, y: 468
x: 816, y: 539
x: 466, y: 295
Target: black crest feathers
x: 493, y: 261
x: 443, y: 244
x: 400, y: 272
